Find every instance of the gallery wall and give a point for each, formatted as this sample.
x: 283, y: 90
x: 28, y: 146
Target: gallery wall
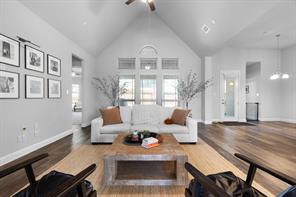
x: 150, y: 30
x: 51, y: 117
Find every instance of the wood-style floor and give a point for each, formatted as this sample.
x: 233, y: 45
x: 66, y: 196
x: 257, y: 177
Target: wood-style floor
x: 272, y: 143
x: 269, y: 142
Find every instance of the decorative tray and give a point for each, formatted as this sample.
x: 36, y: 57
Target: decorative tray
x: 141, y: 135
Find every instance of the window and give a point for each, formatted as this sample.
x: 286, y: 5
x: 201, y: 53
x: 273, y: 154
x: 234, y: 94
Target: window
x: 169, y: 63
x: 148, y: 89
x: 127, y: 99
x: 127, y: 63
x: 148, y: 63
x: 169, y: 91
x: 75, y: 94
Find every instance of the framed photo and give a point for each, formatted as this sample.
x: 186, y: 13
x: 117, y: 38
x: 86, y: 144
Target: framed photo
x: 9, y: 51
x: 53, y: 65
x: 34, y: 86
x: 34, y: 59
x: 9, y: 85
x: 54, y: 88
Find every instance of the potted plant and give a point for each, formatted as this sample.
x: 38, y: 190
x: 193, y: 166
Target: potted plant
x: 188, y: 89
x: 110, y: 88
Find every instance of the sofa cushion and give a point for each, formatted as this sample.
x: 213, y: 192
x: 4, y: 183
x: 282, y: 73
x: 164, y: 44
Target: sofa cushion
x: 172, y: 128
x: 126, y: 114
x: 179, y: 116
x: 142, y: 127
x: 111, y: 116
x: 115, y: 128
x: 145, y: 114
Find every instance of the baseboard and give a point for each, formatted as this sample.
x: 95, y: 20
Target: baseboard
x: 15, y: 155
x: 288, y: 120
x: 270, y: 119
x: 85, y: 124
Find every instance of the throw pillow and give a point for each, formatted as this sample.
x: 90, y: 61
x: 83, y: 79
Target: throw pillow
x: 111, y: 116
x: 168, y: 121
x: 179, y: 116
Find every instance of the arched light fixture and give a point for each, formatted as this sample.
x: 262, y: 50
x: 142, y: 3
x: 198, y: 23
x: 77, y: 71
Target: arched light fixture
x: 278, y: 74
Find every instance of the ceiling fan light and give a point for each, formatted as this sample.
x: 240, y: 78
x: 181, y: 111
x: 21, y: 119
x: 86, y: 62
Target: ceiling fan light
x: 275, y: 76
x: 285, y: 76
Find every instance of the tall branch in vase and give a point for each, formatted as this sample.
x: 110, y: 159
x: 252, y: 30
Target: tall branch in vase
x: 110, y: 88
x: 188, y: 89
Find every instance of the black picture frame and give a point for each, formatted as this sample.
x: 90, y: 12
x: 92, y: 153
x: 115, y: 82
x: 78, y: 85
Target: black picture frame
x: 26, y: 66
x: 48, y: 66
x: 48, y: 89
x: 26, y: 85
x: 19, y: 49
x: 18, y: 84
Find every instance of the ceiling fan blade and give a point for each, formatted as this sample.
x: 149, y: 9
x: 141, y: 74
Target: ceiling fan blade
x: 129, y: 2
x: 151, y: 4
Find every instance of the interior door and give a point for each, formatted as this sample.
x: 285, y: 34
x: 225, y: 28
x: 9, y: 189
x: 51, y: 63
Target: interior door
x: 229, y: 95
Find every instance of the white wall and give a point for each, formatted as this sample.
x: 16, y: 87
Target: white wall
x: 53, y: 116
x: 158, y: 34
x: 236, y: 59
x: 288, y: 86
x: 253, y: 82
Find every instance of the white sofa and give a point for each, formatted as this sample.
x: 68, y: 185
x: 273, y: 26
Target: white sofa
x: 144, y: 117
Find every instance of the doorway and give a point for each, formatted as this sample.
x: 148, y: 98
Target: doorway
x: 229, y: 92
x: 76, y: 90
x: 253, y: 72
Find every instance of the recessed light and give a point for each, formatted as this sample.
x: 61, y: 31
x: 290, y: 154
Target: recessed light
x: 205, y: 29
x: 213, y: 21
x: 84, y: 23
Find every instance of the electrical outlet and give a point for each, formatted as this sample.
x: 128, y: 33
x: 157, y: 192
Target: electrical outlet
x: 19, y: 139
x: 36, y: 129
x: 36, y: 133
x: 23, y: 137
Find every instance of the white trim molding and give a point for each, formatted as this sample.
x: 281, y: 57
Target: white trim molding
x: 15, y: 155
x: 288, y: 120
x: 85, y: 124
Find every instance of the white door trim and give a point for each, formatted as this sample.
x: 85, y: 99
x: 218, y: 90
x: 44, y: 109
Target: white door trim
x: 234, y: 73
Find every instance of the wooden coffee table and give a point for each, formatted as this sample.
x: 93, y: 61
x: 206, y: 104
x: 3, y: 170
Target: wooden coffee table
x: 135, y: 165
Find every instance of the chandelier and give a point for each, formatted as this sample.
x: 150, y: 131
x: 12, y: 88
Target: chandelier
x: 278, y: 74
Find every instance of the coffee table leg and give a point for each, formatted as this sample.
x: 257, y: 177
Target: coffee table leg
x: 182, y: 174
x: 110, y: 170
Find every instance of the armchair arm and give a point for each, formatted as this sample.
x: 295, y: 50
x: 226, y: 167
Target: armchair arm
x: 206, y: 182
x: 15, y: 166
x: 74, y: 182
x: 254, y: 165
x: 96, y: 126
x: 192, y: 126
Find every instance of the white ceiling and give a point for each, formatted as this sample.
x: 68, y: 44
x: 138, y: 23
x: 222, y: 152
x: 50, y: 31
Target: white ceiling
x: 93, y: 24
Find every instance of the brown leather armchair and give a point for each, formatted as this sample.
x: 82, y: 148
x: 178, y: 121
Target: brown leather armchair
x: 54, y: 184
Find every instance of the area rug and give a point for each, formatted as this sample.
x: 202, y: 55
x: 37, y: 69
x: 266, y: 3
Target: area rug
x: 237, y: 124
x: 201, y: 155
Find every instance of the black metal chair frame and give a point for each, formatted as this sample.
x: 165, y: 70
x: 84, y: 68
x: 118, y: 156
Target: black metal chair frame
x: 210, y: 185
x: 76, y: 182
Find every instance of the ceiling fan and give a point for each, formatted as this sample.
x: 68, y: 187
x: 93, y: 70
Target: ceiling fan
x: 151, y: 3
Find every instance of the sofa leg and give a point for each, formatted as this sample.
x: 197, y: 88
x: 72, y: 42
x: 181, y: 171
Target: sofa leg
x: 102, y: 143
x: 187, y: 142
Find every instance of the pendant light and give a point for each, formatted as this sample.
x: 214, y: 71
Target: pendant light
x: 278, y: 74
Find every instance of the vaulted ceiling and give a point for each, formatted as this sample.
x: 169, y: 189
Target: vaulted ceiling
x: 93, y: 24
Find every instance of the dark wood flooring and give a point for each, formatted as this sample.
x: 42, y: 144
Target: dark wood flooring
x: 270, y: 142
x: 57, y: 151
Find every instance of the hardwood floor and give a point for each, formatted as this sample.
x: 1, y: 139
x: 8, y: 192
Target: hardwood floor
x: 57, y: 151
x: 270, y: 142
